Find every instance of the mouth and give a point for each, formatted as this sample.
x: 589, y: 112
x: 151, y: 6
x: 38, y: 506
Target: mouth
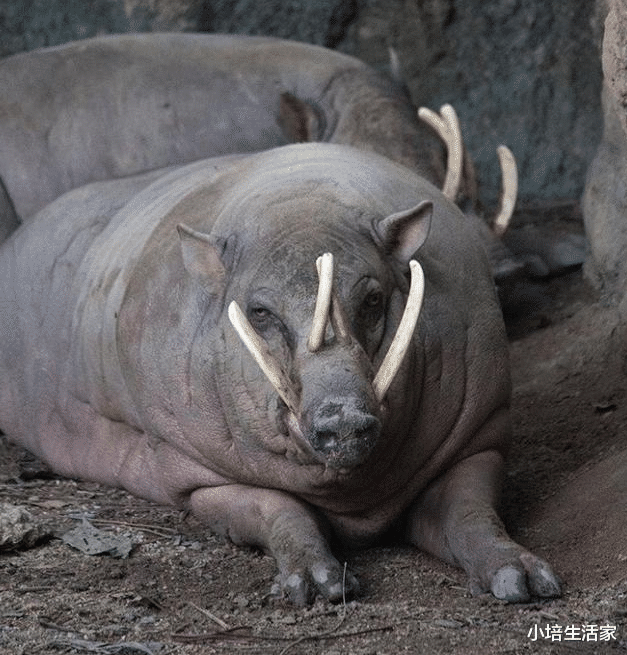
x: 291, y: 442
x: 347, y: 455
x: 338, y: 457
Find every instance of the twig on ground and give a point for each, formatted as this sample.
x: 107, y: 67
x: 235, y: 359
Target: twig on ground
x: 210, y: 615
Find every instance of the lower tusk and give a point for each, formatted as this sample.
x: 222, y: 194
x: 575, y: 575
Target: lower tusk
x: 446, y: 124
x: 396, y: 352
x: 259, y: 350
x: 324, y: 265
x: 509, y: 192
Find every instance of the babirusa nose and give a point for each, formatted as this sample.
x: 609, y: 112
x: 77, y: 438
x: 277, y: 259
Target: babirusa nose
x: 343, y: 434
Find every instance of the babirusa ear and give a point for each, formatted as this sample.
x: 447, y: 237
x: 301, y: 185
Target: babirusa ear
x: 404, y: 232
x: 201, y: 257
x: 298, y: 119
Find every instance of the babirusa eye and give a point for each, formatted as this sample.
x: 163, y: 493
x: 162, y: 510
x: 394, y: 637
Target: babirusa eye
x: 259, y: 312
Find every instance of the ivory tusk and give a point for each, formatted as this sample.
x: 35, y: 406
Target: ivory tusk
x: 339, y: 321
x: 509, y: 191
x: 338, y: 318
x: 446, y: 124
x: 324, y: 264
x: 394, y: 356
x: 259, y: 350
x: 455, y: 153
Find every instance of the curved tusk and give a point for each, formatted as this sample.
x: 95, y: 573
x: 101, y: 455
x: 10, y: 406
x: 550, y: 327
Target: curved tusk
x: 509, y: 192
x: 339, y: 322
x: 446, y: 124
x: 259, y: 350
x: 324, y: 264
x: 455, y: 153
x: 394, y: 356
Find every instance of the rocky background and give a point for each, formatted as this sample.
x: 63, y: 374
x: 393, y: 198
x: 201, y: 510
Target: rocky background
x: 523, y: 72
x: 605, y: 200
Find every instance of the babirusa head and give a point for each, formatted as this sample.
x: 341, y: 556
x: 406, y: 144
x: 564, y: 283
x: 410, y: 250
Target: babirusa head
x: 337, y: 404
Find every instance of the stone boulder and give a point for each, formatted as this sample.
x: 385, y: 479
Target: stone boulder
x: 605, y: 198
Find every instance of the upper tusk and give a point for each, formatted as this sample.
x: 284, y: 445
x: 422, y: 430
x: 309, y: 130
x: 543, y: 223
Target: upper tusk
x: 339, y: 321
x: 259, y: 350
x: 446, y: 124
x: 394, y: 356
x: 509, y: 191
x: 455, y: 153
x: 324, y: 264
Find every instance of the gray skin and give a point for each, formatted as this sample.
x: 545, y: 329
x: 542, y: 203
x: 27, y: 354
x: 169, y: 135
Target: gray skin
x: 114, y: 106
x: 118, y: 362
x: 8, y: 218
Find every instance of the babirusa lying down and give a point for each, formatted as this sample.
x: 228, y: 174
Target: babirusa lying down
x: 378, y: 390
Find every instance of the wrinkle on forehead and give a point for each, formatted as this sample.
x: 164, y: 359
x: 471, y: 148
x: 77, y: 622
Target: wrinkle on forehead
x: 290, y: 258
x: 309, y: 220
x: 260, y: 209
x: 282, y: 231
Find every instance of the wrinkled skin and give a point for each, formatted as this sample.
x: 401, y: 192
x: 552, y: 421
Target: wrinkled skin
x: 118, y: 362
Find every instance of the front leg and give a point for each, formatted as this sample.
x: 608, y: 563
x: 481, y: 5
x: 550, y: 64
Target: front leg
x: 284, y: 527
x: 455, y: 519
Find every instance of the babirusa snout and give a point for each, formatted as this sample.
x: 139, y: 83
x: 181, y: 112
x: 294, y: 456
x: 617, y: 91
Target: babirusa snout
x: 342, y: 429
x: 394, y: 356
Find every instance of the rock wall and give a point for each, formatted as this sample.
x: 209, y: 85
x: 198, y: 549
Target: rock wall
x: 605, y: 199
x: 30, y: 24
x: 523, y: 72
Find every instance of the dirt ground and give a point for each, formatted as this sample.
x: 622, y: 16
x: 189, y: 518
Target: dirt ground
x: 187, y: 592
